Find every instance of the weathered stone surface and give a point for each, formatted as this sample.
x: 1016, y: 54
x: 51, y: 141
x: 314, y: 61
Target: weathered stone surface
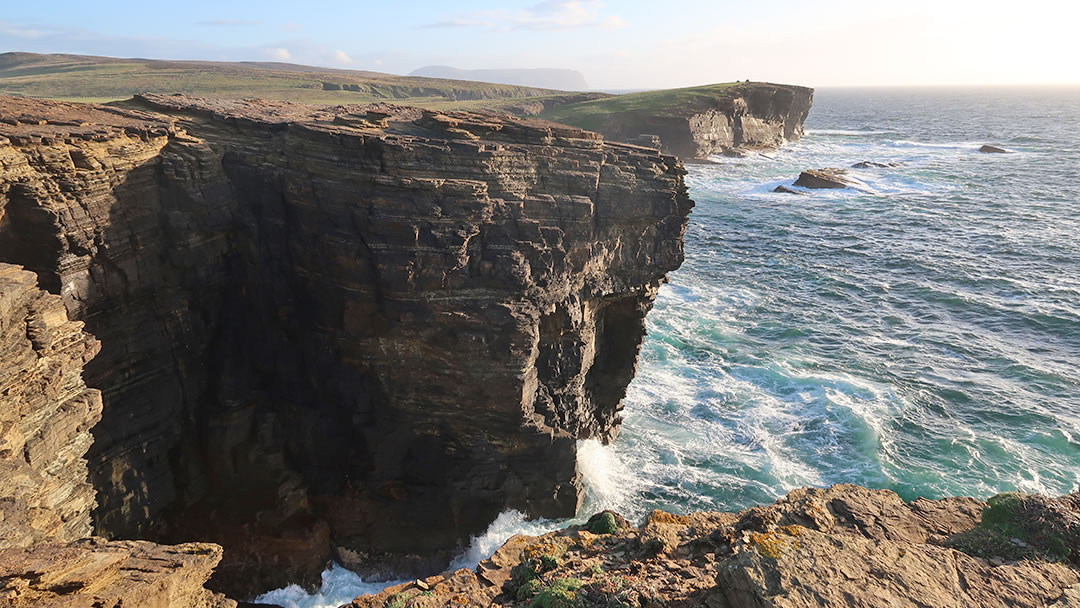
x: 811, y: 569
x: 46, y: 412
x: 825, y: 178
x: 749, y: 116
x: 364, y: 327
x: 95, y: 573
x: 836, y: 547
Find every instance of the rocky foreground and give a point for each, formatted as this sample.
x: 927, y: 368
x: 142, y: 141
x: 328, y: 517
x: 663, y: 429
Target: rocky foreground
x: 844, y: 546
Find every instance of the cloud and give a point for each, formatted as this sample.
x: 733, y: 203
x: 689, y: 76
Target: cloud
x: 546, y: 16
x: 342, y: 57
x: 278, y: 53
x: 29, y: 32
x: 228, y: 22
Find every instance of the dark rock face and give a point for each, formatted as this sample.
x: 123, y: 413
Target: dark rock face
x: 988, y: 149
x: 782, y: 189
x: 370, y: 328
x: 872, y: 164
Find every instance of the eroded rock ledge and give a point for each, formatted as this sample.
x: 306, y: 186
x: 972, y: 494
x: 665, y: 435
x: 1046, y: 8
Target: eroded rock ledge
x: 366, y: 330
x: 839, y: 547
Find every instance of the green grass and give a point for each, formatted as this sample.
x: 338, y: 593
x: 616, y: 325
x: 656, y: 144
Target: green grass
x: 668, y: 102
x: 603, y: 523
x: 562, y: 593
x: 82, y: 78
x: 1019, y: 526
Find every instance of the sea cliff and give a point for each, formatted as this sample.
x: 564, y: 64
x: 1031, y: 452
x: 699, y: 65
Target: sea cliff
x: 354, y: 332
x: 697, y: 122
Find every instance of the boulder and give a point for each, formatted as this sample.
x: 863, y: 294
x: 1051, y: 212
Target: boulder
x: 785, y: 190
x: 988, y: 149
x: 872, y: 164
x: 824, y: 178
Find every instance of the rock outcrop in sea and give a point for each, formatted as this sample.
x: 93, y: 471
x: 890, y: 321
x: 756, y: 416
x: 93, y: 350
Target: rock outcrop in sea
x: 839, y: 547
x: 357, y: 332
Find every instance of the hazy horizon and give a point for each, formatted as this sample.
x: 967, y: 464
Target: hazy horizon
x: 616, y: 46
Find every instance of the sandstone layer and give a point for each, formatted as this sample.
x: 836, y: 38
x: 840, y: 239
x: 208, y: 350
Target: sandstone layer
x: 95, y: 573
x: 844, y: 546
x: 46, y: 413
x: 366, y: 330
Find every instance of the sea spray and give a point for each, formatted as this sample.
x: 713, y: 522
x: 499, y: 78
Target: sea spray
x: 339, y: 586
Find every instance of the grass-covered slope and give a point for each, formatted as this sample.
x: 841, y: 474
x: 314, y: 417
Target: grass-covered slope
x: 100, y: 79
x: 696, y: 122
x: 667, y: 102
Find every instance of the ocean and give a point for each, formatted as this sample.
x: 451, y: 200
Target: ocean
x: 921, y: 334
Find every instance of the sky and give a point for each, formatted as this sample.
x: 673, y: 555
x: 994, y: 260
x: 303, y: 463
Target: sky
x: 615, y: 44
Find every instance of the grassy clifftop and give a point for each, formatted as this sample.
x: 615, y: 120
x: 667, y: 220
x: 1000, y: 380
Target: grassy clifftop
x: 667, y: 102
x: 100, y: 79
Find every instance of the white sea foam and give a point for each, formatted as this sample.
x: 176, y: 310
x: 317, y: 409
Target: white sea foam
x: 506, y: 525
x: 339, y: 586
x: 843, y: 132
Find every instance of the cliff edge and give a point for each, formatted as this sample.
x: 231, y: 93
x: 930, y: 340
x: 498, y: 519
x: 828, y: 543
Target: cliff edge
x: 697, y: 122
x: 358, y: 332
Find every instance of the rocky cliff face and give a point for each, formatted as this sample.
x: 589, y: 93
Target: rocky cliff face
x: 760, y: 117
x: 361, y: 329
x: 834, y: 548
x: 46, y: 413
x: 45, y: 417
x: 699, y: 122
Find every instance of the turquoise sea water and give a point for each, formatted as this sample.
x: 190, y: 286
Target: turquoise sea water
x: 922, y: 335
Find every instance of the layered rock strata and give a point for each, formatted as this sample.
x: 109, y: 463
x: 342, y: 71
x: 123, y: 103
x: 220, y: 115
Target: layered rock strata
x: 46, y: 413
x: 700, y: 122
x: 92, y: 573
x: 363, y: 328
x: 837, y: 547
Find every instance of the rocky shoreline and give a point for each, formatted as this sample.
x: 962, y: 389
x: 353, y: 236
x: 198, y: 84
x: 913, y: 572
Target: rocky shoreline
x: 841, y: 546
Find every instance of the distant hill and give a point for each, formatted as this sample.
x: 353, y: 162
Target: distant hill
x: 546, y: 78
x: 100, y: 79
